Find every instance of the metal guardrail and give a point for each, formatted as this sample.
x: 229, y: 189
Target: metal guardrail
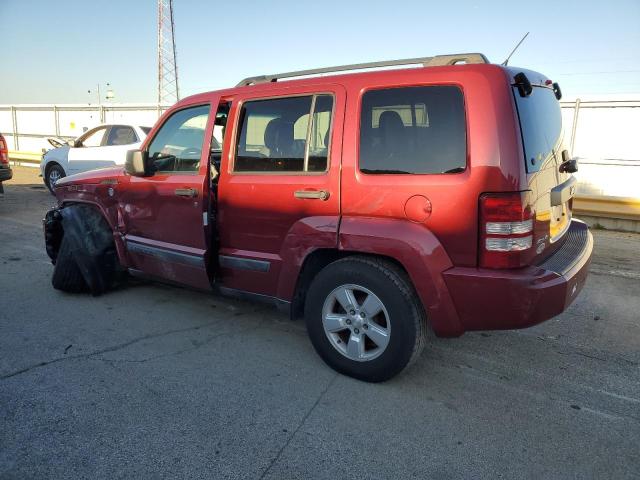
x: 18, y: 158
x: 622, y: 208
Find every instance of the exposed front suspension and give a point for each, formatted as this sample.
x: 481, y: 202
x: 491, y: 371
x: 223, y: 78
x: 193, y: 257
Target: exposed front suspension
x: 53, y: 233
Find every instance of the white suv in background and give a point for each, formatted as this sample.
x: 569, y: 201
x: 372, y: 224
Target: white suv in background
x: 102, y: 146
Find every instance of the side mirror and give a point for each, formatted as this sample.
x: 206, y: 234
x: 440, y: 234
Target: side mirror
x: 135, y: 163
x: 74, y: 143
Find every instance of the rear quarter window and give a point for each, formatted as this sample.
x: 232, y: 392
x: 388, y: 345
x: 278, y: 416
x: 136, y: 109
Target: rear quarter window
x: 414, y: 130
x: 540, y: 125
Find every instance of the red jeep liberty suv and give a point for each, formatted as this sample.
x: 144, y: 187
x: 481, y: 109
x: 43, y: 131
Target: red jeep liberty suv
x: 372, y: 203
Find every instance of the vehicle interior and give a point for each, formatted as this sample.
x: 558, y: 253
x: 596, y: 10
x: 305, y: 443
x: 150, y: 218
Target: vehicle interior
x: 177, y: 147
x: 416, y: 130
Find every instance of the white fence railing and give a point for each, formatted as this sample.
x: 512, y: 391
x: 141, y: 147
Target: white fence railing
x: 603, y: 135
x: 26, y: 127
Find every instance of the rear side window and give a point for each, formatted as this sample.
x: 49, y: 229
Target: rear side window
x: 121, y: 135
x: 418, y: 130
x: 284, y: 135
x: 540, y: 125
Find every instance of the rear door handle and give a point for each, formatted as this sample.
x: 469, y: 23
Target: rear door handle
x: 186, y: 192
x: 312, y: 194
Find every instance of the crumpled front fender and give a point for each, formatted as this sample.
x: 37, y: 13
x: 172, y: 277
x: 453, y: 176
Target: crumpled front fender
x: 52, y: 226
x: 90, y: 240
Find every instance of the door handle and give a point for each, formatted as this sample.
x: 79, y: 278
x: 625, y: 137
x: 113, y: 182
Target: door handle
x: 312, y: 194
x: 186, y: 192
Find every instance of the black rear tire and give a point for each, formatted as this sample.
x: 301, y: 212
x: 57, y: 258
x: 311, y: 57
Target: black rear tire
x: 66, y: 273
x: 393, y: 288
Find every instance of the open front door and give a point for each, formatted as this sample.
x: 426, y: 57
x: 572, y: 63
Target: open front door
x: 165, y: 215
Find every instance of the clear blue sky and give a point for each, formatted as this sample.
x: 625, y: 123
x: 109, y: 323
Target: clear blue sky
x: 54, y: 51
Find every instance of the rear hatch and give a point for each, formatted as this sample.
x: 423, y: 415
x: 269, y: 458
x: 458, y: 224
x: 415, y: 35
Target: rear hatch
x: 548, y: 166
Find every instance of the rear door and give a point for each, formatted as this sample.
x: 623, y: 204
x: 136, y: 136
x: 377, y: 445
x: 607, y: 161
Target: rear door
x: 544, y: 152
x: 279, y: 190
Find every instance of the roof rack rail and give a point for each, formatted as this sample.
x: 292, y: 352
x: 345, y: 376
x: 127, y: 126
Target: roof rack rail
x: 438, y: 60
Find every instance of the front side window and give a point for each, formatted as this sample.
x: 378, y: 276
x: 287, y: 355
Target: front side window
x: 284, y: 135
x: 95, y: 138
x: 121, y: 135
x: 416, y: 130
x: 177, y: 147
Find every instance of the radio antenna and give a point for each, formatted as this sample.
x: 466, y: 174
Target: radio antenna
x: 514, y: 50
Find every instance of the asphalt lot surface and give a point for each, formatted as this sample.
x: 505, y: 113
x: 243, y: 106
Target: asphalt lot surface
x: 153, y: 381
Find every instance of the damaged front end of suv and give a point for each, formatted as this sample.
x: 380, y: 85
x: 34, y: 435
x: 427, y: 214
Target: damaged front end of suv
x: 80, y: 244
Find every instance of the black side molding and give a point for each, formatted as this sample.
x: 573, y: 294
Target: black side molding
x: 238, y: 263
x: 165, y: 255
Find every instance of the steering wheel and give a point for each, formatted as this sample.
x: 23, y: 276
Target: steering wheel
x: 190, y: 163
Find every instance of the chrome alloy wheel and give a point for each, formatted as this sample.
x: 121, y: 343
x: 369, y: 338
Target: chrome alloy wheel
x: 54, y: 176
x: 356, y: 322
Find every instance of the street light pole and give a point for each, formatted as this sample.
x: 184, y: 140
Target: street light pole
x: 109, y: 96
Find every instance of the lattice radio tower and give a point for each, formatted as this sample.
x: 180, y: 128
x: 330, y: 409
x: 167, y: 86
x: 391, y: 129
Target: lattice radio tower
x: 168, y: 92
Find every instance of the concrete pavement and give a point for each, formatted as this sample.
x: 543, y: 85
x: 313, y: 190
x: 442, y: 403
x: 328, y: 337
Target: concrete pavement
x: 152, y: 381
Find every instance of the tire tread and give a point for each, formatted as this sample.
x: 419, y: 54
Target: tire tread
x: 414, y: 312
x: 400, y: 278
x: 66, y: 273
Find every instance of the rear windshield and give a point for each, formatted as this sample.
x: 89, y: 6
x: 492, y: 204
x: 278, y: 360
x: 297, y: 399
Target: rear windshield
x: 540, y: 125
x: 418, y: 130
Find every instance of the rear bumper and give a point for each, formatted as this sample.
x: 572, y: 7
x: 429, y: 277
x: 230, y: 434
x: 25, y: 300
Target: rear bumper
x: 507, y: 299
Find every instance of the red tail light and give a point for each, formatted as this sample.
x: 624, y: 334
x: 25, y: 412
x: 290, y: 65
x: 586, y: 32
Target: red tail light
x: 506, y: 230
x: 4, y: 152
